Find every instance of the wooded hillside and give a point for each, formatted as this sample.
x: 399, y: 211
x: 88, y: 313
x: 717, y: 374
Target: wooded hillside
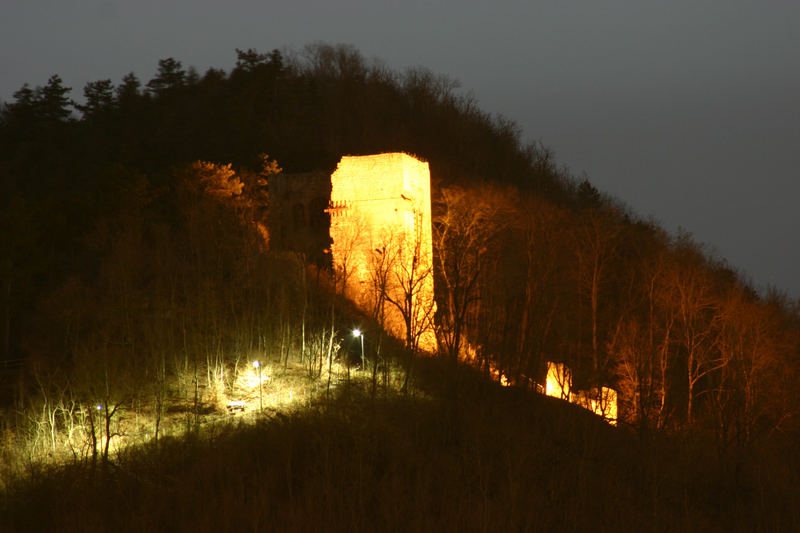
x: 135, y: 266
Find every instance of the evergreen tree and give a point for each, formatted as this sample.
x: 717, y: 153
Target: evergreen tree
x: 128, y: 90
x: 99, y: 98
x: 53, y: 100
x: 170, y: 75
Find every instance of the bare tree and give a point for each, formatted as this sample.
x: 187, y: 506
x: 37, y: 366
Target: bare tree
x: 696, y: 304
x: 751, y: 342
x: 642, y: 342
x: 464, y: 229
x: 409, y: 288
x: 597, y: 237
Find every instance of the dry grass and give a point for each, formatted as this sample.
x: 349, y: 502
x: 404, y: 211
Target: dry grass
x: 481, y: 458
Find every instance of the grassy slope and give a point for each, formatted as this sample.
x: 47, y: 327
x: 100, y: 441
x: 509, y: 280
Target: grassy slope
x: 489, y: 459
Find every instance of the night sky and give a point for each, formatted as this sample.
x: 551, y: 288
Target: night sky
x: 687, y: 111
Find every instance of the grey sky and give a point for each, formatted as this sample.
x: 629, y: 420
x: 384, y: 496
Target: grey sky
x: 688, y: 111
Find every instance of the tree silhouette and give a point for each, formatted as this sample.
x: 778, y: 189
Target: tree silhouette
x: 170, y: 75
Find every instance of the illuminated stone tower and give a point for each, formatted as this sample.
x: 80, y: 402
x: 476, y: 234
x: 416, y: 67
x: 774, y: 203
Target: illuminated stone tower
x: 381, y: 239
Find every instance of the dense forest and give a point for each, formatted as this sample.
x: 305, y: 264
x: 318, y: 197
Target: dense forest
x: 138, y: 283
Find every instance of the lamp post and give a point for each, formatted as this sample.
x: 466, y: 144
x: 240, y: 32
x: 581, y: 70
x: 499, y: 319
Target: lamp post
x: 257, y: 364
x: 358, y: 333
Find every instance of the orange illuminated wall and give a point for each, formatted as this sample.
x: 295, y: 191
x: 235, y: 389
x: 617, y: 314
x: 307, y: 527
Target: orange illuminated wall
x: 380, y: 212
x: 602, y: 401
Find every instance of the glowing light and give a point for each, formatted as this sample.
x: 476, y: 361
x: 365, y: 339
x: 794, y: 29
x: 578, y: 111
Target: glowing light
x: 99, y: 407
x: 251, y: 380
x: 358, y: 334
x: 602, y: 402
x: 559, y: 381
x: 256, y: 364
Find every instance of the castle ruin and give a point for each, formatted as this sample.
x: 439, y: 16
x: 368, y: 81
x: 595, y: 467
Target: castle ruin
x: 601, y: 401
x: 370, y: 223
x: 381, y: 245
x: 373, y: 215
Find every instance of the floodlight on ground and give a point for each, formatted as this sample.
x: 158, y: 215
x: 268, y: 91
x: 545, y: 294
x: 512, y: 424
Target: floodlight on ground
x: 257, y: 364
x: 358, y: 333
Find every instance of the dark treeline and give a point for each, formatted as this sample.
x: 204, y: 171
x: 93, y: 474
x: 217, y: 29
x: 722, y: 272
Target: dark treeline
x: 134, y: 273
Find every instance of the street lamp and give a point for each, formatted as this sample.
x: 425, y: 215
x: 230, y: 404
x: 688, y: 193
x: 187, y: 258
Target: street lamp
x: 358, y: 333
x: 257, y: 364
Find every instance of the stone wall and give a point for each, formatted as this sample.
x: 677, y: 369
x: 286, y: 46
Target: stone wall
x: 602, y: 401
x: 381, y: 224
x: 372, y: 215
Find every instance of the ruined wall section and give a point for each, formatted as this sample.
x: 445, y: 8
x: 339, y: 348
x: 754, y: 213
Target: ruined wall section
x: 601, y: 401
x: 381, y: 211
